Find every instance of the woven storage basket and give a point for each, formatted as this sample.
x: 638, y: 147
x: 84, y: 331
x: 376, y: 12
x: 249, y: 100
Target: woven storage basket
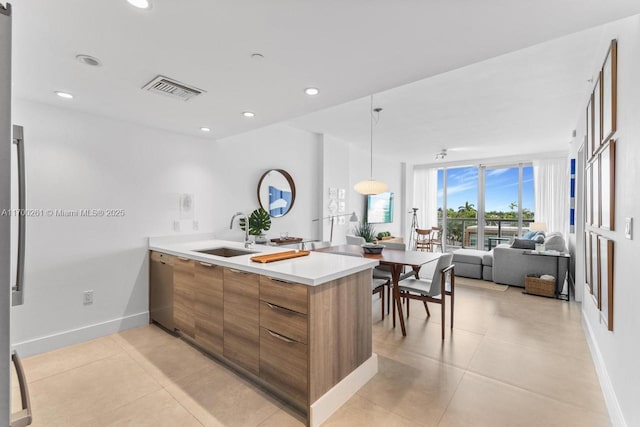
x: 537, y: 286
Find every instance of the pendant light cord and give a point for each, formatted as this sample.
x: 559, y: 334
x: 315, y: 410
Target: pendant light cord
x: 371, y: 142
x: 377, y: 119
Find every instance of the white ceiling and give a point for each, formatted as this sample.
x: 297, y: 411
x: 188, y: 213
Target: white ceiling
x: 348, y: 49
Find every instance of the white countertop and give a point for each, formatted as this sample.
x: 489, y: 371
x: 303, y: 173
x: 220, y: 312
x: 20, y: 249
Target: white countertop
x: 315, y: 269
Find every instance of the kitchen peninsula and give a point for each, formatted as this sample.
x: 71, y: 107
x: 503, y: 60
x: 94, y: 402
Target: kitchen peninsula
x: 299, y: 327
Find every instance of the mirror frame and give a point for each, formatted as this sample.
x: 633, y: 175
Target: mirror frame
x: 292, y: 185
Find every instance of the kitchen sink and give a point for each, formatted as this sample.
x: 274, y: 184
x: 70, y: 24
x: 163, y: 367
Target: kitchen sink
x: 226, y: 252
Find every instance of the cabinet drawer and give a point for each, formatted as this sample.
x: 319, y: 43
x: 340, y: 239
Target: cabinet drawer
x: 283, y: 364
x: 183, y: 265
x: 284, y: 294
x: 160, y: 257
x: 285, y: 322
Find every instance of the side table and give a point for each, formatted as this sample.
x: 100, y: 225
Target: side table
x: 560, y: 257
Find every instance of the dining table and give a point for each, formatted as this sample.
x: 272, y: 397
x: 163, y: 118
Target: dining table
x: 396, y: 260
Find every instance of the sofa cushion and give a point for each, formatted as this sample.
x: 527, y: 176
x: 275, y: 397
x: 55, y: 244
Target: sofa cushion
x: 487, y: 258
x: 468, y: 256
x: 523, y: 244
x: 529, y: 234
x: 555, y: 242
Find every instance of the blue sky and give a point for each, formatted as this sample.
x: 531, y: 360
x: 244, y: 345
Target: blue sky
x: 501, y: 185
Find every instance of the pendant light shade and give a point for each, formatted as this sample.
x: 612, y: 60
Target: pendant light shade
x: 371, y: 186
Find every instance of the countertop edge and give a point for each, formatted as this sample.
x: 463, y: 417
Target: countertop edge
x: 243, y: 263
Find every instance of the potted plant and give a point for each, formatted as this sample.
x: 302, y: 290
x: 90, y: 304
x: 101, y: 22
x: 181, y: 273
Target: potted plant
x: 259, y: 222
x: 366, y: 231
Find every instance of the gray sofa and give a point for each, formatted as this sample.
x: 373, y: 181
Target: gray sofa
x: 511, y: 265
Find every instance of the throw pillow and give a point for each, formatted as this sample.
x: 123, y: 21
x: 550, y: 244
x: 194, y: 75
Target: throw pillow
x: 529, y: 234
x: 539, y: 237
x: 555, y: 242
x: 523, y: 244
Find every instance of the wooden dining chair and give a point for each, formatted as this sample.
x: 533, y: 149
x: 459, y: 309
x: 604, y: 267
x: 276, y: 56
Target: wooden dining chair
x: 377, y: 284
x: 423, y: 239
x: 434, y: 289
x: 435, y: 239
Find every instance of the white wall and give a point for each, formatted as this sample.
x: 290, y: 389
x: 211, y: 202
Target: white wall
x: 616, y: 353
x: 335, y: 174
x: 77, y: 161
x: 241, y: 160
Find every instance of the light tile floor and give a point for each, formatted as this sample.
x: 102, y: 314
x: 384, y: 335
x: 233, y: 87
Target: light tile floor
x: 511, y: 360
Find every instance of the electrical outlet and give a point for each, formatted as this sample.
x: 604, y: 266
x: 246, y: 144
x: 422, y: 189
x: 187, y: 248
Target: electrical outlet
x: 196, y: 225
x: 176, y: 225
x: 87, y: 297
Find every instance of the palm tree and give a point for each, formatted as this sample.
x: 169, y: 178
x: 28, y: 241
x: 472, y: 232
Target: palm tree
x: 468, y: 207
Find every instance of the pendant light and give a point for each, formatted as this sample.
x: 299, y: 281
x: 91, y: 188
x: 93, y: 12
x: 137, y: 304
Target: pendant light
x: 371, y: 186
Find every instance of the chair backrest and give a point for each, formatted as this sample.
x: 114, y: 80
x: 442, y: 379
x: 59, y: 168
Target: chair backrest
x: 443, y: 262
x: 320, y: 245
x: 355, y: 240
x: 422, y: 232
x: 394, y: 245
x: 423, y: 239
x: 436, y: 232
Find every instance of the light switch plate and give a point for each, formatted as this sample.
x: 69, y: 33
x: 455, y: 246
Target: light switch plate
x: 628, y: 228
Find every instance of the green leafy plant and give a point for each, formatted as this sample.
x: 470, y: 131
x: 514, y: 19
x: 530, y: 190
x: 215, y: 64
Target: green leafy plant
x: 259, y: 221
x: 366, y: 231
x: 383, y: 234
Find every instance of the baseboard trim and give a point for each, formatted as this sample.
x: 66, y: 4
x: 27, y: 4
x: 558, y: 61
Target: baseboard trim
x: 78, y: 335
x: 613, y: 406
x: 326, y: 405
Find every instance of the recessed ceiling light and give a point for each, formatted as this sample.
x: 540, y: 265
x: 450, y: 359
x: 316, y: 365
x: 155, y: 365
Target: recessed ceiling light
x: 89, y: 60
x: 64, y: 95
x: 140, y: 4
x: 311, y: 91
x: 257, y: 56
x: 249, y: 114
x: 205, y: 129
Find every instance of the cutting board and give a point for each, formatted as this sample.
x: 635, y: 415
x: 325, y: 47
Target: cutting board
x: 279, y: 256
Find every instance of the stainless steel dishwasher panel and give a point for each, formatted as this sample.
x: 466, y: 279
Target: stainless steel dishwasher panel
x: 161, y: 289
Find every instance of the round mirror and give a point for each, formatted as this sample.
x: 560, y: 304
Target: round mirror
x: 276, y: 192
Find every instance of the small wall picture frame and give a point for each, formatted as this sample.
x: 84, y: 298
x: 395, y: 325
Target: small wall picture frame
x: 187, y: 206
x: 588, y: 193
x: 607, y: 185
x: 605, y: 264
x: 333, y: 193
x: 587, y: 261
x: 609, y: 92
x: 595, y: 270
x: 597, y: 115
x: 589, y: 132
x: 342, y: 193
x: 595, y: 193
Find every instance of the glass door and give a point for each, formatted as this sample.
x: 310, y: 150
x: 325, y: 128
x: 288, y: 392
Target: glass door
x: 508, y: 201
x: 458, y: 211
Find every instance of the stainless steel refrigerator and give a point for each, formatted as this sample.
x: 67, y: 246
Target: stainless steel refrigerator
x: 12, y: 290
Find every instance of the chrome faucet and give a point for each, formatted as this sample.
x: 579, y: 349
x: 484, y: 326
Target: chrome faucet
x: 247, y: 243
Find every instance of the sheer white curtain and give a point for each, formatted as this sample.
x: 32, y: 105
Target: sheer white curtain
x: 551, y: 183
x: 425, y: 196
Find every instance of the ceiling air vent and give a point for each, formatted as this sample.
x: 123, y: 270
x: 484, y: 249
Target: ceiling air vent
x: 165, y: 86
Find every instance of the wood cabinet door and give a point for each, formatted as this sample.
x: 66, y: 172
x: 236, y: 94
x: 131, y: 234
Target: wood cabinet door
x: 283, y: 364
x: 208, y: 306
x: 242, y: 319
x: 183, y: 296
